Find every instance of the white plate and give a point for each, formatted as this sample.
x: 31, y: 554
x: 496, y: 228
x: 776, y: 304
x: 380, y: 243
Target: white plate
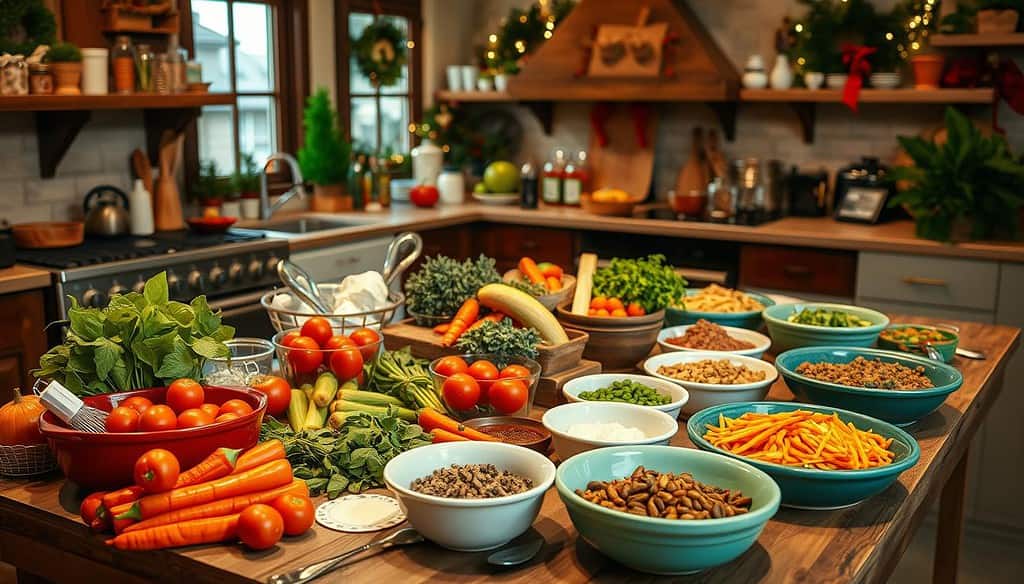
x: 497, y: 198
x: 360, y: 513
x: 760, y: 342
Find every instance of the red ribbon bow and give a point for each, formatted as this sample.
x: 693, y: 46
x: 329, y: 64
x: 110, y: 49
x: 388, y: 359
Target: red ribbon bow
x: 855, y: 57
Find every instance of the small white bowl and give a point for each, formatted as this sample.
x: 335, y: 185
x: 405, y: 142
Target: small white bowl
x: 658, y: 426
x: 677, y: 394
x: 760, y: 342
x: 470, y: 524
x: 704, y: 395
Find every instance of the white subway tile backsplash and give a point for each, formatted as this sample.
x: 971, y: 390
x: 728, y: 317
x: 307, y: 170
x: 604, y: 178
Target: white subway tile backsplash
x: 25, y: 213
x: 49, y: 190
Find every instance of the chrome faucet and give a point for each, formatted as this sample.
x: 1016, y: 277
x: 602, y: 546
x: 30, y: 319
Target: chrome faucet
x: 297, y: 188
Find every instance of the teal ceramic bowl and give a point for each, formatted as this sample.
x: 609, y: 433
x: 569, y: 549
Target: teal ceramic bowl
x: 666, y: 546
x: 945, y: 347
x: 807, y: 488
x: 893, y: 406
x: 789, y: 335
x: 748, y: 320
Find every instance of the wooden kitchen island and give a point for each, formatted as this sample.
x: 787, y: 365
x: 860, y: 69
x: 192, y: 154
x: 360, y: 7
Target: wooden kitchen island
x: 41, y: 535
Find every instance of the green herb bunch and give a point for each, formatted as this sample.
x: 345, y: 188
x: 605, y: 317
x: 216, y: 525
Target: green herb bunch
x: 969, y: 178
x: 64, y: 53
x: 442, y: 284
x: 650, y: 281
x: 350, y: 459
x: 501, y: 339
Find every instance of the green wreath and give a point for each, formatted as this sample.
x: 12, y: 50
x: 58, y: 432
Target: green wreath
x: 380, y: 52
x: 24, y: 25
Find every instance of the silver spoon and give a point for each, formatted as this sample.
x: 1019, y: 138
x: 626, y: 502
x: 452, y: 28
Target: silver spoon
x: 401, y: 537
x: 932, y: 352
x: 302, y: 285
x: 518, y: 553
x: 969, y: 354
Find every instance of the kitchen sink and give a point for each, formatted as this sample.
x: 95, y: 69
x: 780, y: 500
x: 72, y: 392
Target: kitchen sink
x: 300, y: 226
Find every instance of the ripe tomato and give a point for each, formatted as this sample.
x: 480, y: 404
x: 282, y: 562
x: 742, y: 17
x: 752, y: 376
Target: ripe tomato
x: 514, y: 371
x: 122, y: 419
x: 287, y: 339
x: 424, y: 195
x: 346, y: 363
x: 508, y: 395
x: 137, y: 403
x: 157, y: 470
x: 368, y: 341
x: 337, y: 342
x: 235, y: 406
x: 598, y: 302
x: 319, y: 329
x: 91, y: 505
x: 260, y: 526
x: 193, y: 418
x: 296, y: 511
x: 211, y: 409
x: 157, y: 418
x: 305, y: 355
x: 226, y: 416
x: 449, y: 366
x: 185, y: 394
x: 461, y: 391
x: 277, y: 390
x: 483, y: 370
x: 635, y: 309
x: 614, y: 304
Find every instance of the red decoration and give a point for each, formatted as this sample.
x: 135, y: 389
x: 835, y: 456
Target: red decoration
x: 599, y: 114
x: 855, y: 57
x: 1009, y: 85
x: 641, y: 117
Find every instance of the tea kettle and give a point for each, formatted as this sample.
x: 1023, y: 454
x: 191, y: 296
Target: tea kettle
x: 105, y: 216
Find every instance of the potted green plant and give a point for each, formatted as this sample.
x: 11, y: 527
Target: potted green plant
x: 970, y: 186
x: 247, y: 185
x: 998, y: 16
x: 66, y: 61
x: 210, y: 188
x: 325, y: 157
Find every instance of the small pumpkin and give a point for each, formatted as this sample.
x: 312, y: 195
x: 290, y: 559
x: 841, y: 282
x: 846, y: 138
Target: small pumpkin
x: 19, y: 420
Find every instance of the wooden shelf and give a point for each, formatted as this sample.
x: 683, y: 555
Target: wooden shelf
x: 475, y: 96
x: 912, y: 96
x: 38, y: 103
x: 978, y: 40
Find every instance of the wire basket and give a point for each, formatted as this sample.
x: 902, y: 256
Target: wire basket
x: 288, y: 318
x: 26, y: 460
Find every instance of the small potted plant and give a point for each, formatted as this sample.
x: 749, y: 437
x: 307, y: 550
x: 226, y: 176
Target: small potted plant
x: 210, y: 189
x: 998, y: 16
x: 247, y: 185
x: 66, y: 61
x: 325, y: 156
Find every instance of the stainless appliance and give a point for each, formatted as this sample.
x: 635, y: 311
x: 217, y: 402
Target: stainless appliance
x: 863, y: 191
x: 106, y: 211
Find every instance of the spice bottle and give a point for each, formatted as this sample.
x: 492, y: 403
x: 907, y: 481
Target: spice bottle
x: 551, y: 178
x: 575, y: 179
x: 528, y: 186
x: 162, y: 81
x: 40, y: 79
x: 144, y: 66
x: 122, y: 59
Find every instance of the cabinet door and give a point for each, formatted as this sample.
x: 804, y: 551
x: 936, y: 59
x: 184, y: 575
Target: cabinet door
x: 791, y: 269
x: 957, y: 283
x: 24, y: 341
x: 508, y: 243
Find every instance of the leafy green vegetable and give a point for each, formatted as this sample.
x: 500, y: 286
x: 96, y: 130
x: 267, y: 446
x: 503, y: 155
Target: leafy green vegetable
x: 137, y: 341
x: 650, y: 281
x: 350, y: 459
x: 502, y: 339
x: 442, y: 284
x: 399, y: 374
x: 531, y: 288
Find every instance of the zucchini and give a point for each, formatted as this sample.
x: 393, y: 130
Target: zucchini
x: 337, y: 419
x: 315, y: 417
x: 307, y: 389
x: 350, y: 406
x: 368, y: 397
x: 324, y: 389
x: 297, y: 408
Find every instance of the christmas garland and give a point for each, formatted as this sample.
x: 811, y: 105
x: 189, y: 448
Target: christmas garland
x: 380, y: 52
x: 24, y: 25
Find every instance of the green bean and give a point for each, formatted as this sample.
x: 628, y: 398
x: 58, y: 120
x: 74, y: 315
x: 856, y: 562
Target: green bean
x: 627, y: 391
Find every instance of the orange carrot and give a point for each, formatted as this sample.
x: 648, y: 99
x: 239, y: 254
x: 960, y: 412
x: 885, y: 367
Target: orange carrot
x: 430, y: 419
x: 492, y: 317
x: 220, y: 463
x: 223, y: 506
x: 446, y: 436
x: 551, y: 270
x: 259, y: 455
x: 466, y: 316
x: 528, y: 268
x: 553, y: 284
x: 442, y: 328
x: 270, y: 475
x: 121, y: 496
x: 194, y: 532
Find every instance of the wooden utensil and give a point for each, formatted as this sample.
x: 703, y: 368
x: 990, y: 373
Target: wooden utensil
x: 167, y: 202
x: 584, y: 283
x: 713, y: 154
x: 694, y: 174
x: 48, y: 234
x: 620, y: 153
x: 140, y: 164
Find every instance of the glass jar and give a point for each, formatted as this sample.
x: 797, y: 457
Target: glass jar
x: 162, y: 80
x: 551, y: 178
x: 575, y: 179
x: 122, y: 61
x: 40, y: 79
x: 193, y: 72
x: 176, y: 57
x: 144, y: 67
x: 750, y: 204
x: 722, y: 195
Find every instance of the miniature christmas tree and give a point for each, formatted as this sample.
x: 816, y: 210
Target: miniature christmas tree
x: 325, y: 156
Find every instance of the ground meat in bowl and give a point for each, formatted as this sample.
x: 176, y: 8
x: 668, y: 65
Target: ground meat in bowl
x: 869, y: 373
x: 708, y: 336
x: 471, y: 481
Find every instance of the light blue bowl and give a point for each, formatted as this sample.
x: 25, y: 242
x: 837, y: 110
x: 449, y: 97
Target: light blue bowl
x: 808, y: 488
x: 748, y: 320
x: 666, y: 546
x: 894, y: 406
x: 790, y: 335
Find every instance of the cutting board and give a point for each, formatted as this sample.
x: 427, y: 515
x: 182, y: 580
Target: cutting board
x: 167, y: 213
x: 621, y: 163
x: 694, y: 174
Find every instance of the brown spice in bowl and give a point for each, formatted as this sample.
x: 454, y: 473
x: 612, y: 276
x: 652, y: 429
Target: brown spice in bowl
x: 471, y: 481
x: 708, y: 336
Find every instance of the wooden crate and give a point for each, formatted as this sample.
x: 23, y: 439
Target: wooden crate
x: 549, y: 388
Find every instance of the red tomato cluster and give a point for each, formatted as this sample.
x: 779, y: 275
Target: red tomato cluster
x: 315, y: 347
x: 481, y: 384
x: 184, y: 407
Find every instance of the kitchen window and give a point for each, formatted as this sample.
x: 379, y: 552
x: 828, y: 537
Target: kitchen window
x: 379, y: 123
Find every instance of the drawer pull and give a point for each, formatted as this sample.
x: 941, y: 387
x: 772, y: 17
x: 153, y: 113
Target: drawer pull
x: 797, y: 271
x: 921, y: 281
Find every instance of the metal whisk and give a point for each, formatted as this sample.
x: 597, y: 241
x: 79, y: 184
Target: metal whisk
x: 72, y: 410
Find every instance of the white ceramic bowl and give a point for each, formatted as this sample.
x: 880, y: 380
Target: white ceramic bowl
x: 658, y: 426
x: 469, y: 524
x: 677, y: 394
x: 760, y: 342
x: 703, y: 395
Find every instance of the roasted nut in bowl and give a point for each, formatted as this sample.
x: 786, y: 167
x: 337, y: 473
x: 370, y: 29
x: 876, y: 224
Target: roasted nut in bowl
x: 674, y: 393
x: 581, y: 426
x: 470, y: 524
x: 704, y: 394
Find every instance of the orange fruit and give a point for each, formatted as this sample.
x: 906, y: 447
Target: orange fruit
x: 634, y: 309
x: 615, y: 304
x: 619, y: 312
x: 598, y: 302
x: 602, y: 312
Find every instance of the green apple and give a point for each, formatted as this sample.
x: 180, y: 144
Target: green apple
x: 480, y: 188
x: 501, y: 177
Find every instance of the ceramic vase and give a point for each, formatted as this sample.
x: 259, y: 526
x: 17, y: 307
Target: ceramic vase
x: 782, y: 74
x: 754, y: 76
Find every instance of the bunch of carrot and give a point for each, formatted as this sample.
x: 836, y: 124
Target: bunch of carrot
x: 205, y: 503
x: 445, y: 429
x: 801, y: 438
x: 466, y: 319
x: 547, y: 274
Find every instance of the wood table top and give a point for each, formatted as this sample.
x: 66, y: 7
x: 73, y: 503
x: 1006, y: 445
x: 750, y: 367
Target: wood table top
x: 862, y: 543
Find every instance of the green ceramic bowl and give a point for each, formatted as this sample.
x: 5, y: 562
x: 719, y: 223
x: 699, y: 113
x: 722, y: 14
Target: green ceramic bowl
x: 748, y: 320
x: 807, y: 488
x: 946, y: 347
x: 790, y: 335
x: 893, y: 406
x: 666, y: 546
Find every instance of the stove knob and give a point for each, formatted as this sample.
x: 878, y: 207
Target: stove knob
x: 93, y: 298
x: 217, y: 277
x: 116, y: 289
x: 173, y: 285
x: 255, y: 269
x: 235, y: 272
x: 140, y: 286
x: 272, y: 264
x: 195, y: 281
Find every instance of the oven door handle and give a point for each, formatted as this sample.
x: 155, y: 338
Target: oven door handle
x: 233, y: 302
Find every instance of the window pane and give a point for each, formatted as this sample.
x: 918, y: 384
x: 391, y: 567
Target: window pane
x: 254, y: 69
x: 364, y: 122
x: 210, y: 31
x: 359, y: 83
x: 216, y: 130
x: 257, y: 126
x: 395, y: 122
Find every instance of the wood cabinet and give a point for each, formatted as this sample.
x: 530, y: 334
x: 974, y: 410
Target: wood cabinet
x: 793, y: 269
x: 508, y: 243
x: 23, y: 341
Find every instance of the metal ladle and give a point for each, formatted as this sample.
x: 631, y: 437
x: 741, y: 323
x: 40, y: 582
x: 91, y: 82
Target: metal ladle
x: 393, y: 266
x: 305, y: 574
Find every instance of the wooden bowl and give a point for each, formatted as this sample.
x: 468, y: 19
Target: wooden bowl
x: 550, y: 301
x: 618, y: 348
x: 48, y: 234
x: 607, y: 208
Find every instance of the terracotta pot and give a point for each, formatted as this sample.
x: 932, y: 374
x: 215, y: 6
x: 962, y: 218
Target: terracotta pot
x: 927, y: 71
x: 68, y: 78
x: 997, y: 21
x: 330, y: 199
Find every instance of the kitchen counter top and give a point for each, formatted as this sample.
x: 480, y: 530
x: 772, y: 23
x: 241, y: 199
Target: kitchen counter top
x: 895, y: 237
x: 19, y: 278
x: 38, y: 522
